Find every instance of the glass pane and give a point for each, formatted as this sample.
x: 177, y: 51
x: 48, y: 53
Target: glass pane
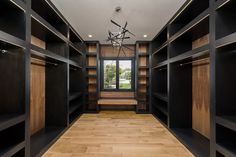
x: 125, y: 74
x: 109, y: 74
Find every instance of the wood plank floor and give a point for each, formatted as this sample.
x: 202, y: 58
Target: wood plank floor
x: 117, y: 134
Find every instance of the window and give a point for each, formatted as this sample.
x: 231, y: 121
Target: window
x: 117, y: 74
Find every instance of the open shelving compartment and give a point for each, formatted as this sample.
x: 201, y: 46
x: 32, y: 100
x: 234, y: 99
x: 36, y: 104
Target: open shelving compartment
x: 191, y: 11
x: 12, y: 108
x: 225, y: 100
x: 189, y: 103
x: 160, y: 56
x: 12, y: 19
x: 198, y: 35
x: 159, y: 93
x: 52, y: 44
x: 92, y: 76
x: 48, y: 106
x: 142, y: 57
x: 160, y: 40
x: 225, y: 26
x: 76, y: 96
x: 75, y: 40
x: 44, y: 8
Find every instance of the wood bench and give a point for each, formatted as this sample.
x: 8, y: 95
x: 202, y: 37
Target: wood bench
x: 117, y: 104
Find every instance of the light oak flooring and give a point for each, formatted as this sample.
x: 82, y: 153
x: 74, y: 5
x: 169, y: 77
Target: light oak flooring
x: 117, y: 134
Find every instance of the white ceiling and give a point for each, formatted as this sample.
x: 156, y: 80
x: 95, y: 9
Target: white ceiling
x: 93, y: 16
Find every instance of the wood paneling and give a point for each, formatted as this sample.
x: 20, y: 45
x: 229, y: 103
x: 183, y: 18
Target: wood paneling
x: 37, y: 97
x: 92, y: 48
x: 38, y: 42
x: 143, y: 48
x: 201, y: 92
x: 201, y: 98
x: 118, y: 134
x: 92, y: 61
x: 117, y: 94
x: 92, y: 72
x: 200, y: 42
x: 143, y: 61
x: 109, y: 51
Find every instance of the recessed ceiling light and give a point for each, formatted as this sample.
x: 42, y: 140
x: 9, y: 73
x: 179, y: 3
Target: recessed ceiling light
x: 90, y: 36
x: 145, y: 35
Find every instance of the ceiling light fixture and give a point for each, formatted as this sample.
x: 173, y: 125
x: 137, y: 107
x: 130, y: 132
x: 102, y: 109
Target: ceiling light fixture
x: 90, y: 36
x: 145, y: 35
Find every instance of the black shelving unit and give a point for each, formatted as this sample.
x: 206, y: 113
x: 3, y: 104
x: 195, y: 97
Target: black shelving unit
x: 27, y: 33
x: 184, y: 41
x: 76, y: 94
x: 93, y: 74
x: 142, y: 76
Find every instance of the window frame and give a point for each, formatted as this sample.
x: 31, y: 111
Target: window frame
x: 117, y: 74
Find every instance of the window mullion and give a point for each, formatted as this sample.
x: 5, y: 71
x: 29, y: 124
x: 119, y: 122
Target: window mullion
x: 117, y: 75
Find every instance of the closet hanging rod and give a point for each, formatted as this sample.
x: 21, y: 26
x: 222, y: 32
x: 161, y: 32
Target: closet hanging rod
x: 73, y: 69
x: 55, y: 64
x: 183, y: 64
x: 162, y: 69
x: 3, y: 51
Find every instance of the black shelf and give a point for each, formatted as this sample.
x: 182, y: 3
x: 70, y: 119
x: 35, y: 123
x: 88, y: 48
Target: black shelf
x: 9, y: 120
x: 42, y: 53
x: 12, y: 139
x: 224, y: 24
x: 225, y: 140
x: 43, y: 139
x: 195, y: 142
x: 43, y: 8
x: 13, y: 150
x: 159, y: 56
x: 159, y: 40
x: 184, y: 43
x: 75, y: 38
x: 52, y: 40
x: 75, y: 66
x: 188, y: 15
x: 92, y: 54
x: 227, y: 121
x: 75, y: 95
x: 91, y: 67
x: 12, y: 19
x: 75, y: 54
x: 223, y: 149
x: 143, y: 67
x: 92, y: 76
x: 225, y: 41
x: 162, y: 96
x: 162, y: 109
x: 74, y: 106
x: 143, y: 54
